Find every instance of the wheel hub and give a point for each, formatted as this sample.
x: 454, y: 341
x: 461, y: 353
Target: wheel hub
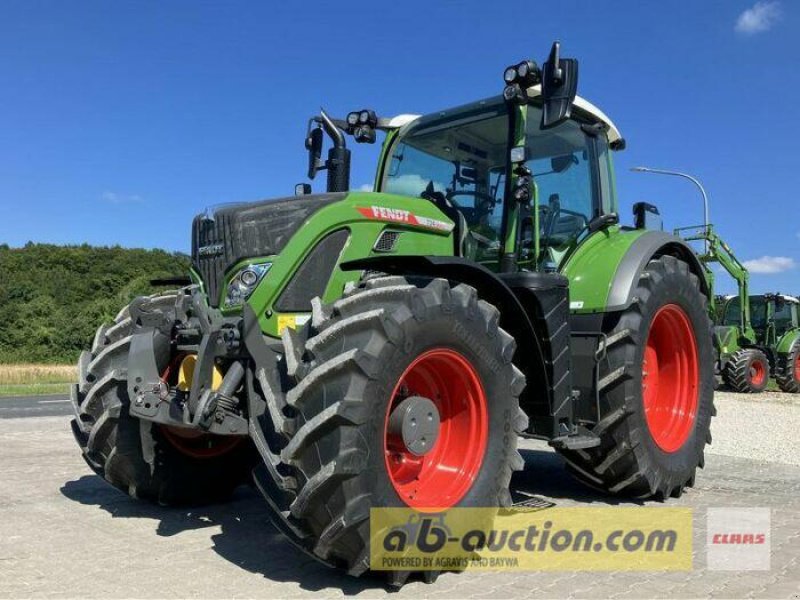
x: 757, y: 373
x: 670, y: 378
x: 436, y: 430
x: 416, y: 422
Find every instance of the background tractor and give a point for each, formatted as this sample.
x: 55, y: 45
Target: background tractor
x: 772, y: 346
x: 386, y: 348
x: 754, y: 336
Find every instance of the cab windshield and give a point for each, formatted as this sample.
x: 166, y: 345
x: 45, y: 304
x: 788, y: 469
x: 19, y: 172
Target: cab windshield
x: 758, y: 312
x: 459, y: 157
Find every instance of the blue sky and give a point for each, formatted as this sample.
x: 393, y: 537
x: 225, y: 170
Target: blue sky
x: 120, y: 120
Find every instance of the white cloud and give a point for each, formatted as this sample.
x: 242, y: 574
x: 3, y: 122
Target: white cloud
x: 410, y: 185
x: 759, y: 18
x: 366, y: 187
x: 117, y: 198
x: 770, y: 264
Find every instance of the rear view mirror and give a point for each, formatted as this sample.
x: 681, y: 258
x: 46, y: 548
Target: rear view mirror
x: 314, y: 147
x: 469, y: 173
x: 559, y: 164
x: 559, y: 87
x: 646, y: 216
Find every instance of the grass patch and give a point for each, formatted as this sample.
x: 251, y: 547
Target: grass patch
x: 35, y: 379
x: 34, y: 389
x: 16, y: 374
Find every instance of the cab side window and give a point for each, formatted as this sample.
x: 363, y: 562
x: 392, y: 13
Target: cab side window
x: 572, y: 172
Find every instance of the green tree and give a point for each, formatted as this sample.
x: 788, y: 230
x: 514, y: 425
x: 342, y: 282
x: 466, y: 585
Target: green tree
x: 52, y: 298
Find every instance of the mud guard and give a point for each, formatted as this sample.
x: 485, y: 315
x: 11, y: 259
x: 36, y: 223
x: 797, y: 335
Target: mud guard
x: 651, y: 244
x: 524, y: 314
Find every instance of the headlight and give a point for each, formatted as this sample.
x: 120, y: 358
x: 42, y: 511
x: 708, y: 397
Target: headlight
x: 244, y: 282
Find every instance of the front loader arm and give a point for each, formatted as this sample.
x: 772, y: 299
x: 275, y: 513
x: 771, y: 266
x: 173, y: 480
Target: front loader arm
x: 719, y: 252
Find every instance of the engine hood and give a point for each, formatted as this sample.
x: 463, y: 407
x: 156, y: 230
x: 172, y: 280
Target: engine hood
x: 232, y: 233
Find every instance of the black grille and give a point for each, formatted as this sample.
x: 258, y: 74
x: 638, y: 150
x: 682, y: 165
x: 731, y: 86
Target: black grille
x: 242, y: 231
x: 387, y: 241
x: 208, y: 236
x: 311, y: 279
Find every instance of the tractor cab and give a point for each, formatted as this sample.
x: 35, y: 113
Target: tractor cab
x: 772, y: 316
x: 525, y: 176
x: 459, y: 159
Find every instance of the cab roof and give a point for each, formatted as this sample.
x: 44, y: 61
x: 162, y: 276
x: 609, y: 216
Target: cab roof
x: 581, y: 104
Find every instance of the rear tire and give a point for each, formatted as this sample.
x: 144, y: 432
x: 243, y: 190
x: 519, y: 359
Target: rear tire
x: 345, y: 368
x: 787, y: 372
x: 649, y: 446
x: 112, y: 441
x: 747, y: 371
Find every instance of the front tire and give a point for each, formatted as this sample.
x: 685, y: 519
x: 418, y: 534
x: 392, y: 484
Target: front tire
x: 387, y: 341
x: 788, y: 371
x: 747, y: 371
x: 112, y: 442
x: 657, y: 390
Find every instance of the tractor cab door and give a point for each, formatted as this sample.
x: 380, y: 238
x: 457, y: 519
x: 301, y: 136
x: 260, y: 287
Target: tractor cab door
x: 457, y: 160
x: 571, y: 172
x: 759, y: 318
x: 785, y: 316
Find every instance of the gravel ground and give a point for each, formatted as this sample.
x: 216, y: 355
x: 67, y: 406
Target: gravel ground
x: 65, y: 533
x: 757, y: 426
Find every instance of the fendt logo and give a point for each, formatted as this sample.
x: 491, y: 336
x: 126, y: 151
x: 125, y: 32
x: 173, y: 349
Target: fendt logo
x: 211, y: 250
x: 398, y: 215
x: 392, y: 214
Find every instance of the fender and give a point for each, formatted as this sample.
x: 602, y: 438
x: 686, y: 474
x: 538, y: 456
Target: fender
x: 787, y: 342
x: 515, y: 319
x: 604, y: 270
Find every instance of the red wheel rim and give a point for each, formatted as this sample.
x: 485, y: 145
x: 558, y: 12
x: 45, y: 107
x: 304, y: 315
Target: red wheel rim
x: 797, y: 369
x: 442, y: 477
x: 758, y: 372
x: 188, y: 441
x: 670, y: 378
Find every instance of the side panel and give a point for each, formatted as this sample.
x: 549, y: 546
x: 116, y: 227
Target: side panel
x: 786, y: 343
x: 365, y: 215
x: 604, y: 269
x: 726, y: 339
x: 592, y: 267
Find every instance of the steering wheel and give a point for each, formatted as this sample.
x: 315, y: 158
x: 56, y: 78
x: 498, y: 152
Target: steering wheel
x: 551, y: 217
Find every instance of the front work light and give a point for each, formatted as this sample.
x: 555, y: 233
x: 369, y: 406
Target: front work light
x: 526, y: 74
x: 361, y: 124
x: 244, y: 282
x: 518, y: 78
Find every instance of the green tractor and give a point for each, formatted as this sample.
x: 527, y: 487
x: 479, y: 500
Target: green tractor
x: 754, y: 336
x: 387, y: 348
x: 772, y: 346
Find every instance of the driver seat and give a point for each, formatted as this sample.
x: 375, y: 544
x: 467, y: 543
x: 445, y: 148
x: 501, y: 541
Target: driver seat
x: 461, y: 231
